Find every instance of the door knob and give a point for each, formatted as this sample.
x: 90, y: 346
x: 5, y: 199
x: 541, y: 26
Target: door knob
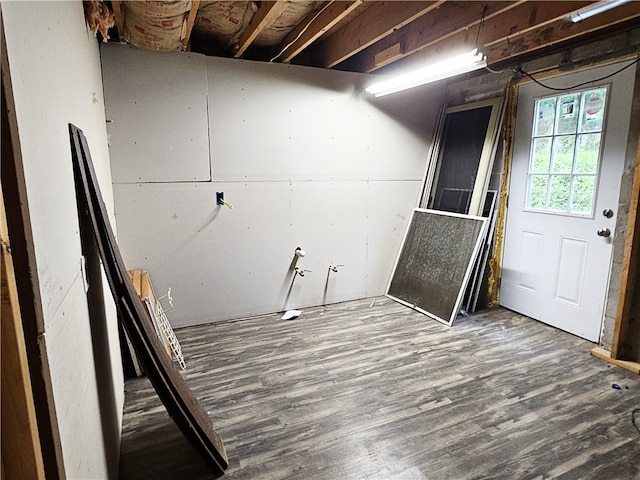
x: 604, y: 232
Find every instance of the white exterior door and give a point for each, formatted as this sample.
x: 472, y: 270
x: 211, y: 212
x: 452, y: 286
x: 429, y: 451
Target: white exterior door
x: 569, y: 150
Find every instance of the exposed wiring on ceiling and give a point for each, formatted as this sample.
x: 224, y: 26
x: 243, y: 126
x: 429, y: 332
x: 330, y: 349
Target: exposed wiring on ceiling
x: 578, y: 85
x: 512, y: 69
x: 301, y: 32
x: 484, y: 13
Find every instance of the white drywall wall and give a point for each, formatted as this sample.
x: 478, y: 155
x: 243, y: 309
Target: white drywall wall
x: 178, y: 133
x: 283, y: 122
x: 55, y: 72
x: 304, y: 158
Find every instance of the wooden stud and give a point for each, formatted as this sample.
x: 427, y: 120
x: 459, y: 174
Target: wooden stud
x: 628, y: 280
x: 299, y: 38
x: 23, y: 256
x: 147, y: 292
x: 266, y: 14
x: 195, y: 4
x: 117, y: 13
x: 495, y: 262
x: 625, y: 329
x: 145, y: 287
x: 603, y: 354
x: 135, y: 276
x: 21, y: 450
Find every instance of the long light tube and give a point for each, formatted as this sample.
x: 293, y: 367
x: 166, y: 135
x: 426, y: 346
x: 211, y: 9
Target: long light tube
x: 593, y: 9
x: 429, y: 73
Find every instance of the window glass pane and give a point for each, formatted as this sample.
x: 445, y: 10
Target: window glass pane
x: 541, y: 155
x: 563, y: 148
x: 545, y: 116
x: 593, y: 111
x: 568, y: 107
x: 588, y: 152
x: 583, y: 189
x: 560, y: 188
x: 538, y: 191
x: 564, y: 159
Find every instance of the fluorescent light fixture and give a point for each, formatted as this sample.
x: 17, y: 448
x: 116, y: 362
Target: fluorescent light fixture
x: 466, y: 62
x: 593, y: 9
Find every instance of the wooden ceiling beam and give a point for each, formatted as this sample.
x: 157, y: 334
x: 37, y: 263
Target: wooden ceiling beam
x: 380, y: 20
x: 117, y: 13
x: 316, y: 25
x: 195, y: 4
x: 446, y: 20
x: 551, y: 34
x: 265, y: 15
x: 528, y: 17
x: 506, y: 26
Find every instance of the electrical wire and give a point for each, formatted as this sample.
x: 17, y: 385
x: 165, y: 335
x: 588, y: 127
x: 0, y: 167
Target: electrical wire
x: 301, y: 32
x: 484, y: 13
x: 513, y: 69
x: 520, y: 71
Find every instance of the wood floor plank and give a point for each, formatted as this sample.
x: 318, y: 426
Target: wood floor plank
x: 371, y: 389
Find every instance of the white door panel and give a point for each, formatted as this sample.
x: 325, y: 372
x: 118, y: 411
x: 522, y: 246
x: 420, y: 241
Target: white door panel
x: 555, y: 265
x: 529, y: 266
x: 570, y: 270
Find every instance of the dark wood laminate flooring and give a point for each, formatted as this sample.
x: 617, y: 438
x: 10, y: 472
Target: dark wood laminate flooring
x: 371, y: 389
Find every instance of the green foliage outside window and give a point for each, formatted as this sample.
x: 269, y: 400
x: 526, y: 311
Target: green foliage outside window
x: 565, y: 152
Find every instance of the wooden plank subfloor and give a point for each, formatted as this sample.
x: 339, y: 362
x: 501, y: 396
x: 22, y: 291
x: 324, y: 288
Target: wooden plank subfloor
x: 355, y: 391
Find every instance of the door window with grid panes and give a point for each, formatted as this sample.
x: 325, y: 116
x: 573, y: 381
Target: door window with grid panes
x: 565, y: 152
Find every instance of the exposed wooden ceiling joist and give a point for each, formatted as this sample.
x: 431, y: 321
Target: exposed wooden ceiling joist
x: 370, y: 36
x: 507, y: 27
x: 448, y: 19
x: 550, y: 34
x: 117, y: 13
x: 195, y: 4
x: 526, y: 17
x: 380, y: 20
x: 265, y: 15
x: 316, y: 25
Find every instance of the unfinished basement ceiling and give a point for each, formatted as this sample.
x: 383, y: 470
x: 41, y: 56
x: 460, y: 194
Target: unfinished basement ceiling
x: 363, y: 36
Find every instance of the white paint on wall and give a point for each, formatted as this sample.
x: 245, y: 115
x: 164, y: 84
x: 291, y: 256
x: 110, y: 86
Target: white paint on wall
x: 305, y: 160
x: 55, y: 73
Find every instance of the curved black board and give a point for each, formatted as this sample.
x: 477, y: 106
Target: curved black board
x: 177, y: 397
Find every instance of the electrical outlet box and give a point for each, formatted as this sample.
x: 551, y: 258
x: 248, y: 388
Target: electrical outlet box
x: 219, y: 198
